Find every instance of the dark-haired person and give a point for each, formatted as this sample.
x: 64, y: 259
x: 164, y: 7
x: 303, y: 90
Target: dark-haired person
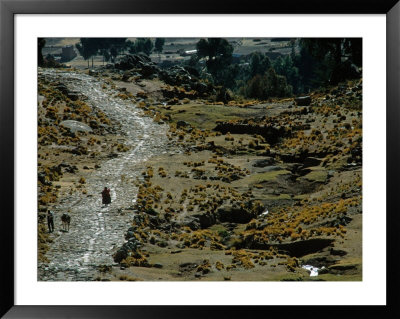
x: 50, y: 220
x: 106, y: 197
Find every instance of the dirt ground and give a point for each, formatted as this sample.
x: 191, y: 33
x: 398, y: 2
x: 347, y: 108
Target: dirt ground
x: 225, y: 205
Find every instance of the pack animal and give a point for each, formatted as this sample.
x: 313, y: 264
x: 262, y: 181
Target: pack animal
x: 66, y: 220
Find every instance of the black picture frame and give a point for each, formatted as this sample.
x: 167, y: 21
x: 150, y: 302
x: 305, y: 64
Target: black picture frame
x: 9, y: 8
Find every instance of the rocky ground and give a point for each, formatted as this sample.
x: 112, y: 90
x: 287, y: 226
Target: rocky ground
x: 205, y: 186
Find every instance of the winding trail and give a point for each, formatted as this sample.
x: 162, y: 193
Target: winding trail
x: 96, y: 231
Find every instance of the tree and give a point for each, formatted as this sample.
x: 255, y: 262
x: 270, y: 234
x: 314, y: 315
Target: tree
x: 106, y: 54
x: 41, y: 44
x: 87, y: 47
x: 158, y: 44
x: 338, y: 48
x: 228, y: 75
x: 259, y: 64
x: 285, y: 66
x: 320, y: 47
x: 116, y: 46
x: 218, y: 53
x: 141, y: 45
x: 306, y: 65
x: 194, y: 61
x: 109, y: 48
x: 268, y: 85
x: 333, y: 57
x: 353, y: 47
x: 113, y: 52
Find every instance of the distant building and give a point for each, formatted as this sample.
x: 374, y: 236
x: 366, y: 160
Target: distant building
x: 187, y: 52
x: 68, y: 53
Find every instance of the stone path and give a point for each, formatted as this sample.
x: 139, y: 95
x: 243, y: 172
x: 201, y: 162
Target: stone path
x: 96, y: 231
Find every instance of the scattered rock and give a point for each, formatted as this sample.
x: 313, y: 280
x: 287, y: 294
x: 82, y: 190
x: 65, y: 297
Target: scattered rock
x: 93, y: 72
x: 73, y: 96
x: 303, y: 100
x: 206, y: 219
x: 191, y: 222
x: 235, y: 215
x: 264, y: 162
x: 130, y: 61
x: 62, y: 88
x: 180, y: 124
x: 76, y: 126
x: 311, y: 161
x: 80, y: 150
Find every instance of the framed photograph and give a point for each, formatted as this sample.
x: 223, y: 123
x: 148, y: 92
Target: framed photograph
x: 166, y: 159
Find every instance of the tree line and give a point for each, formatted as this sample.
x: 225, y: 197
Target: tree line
x: 312, y: 63
x: 108, y: 48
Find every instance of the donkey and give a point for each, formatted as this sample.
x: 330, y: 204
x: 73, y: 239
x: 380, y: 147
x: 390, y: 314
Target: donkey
x: 66, y: 220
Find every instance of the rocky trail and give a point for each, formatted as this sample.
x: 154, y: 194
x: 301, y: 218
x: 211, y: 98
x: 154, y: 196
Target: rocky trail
x: 96, y: 231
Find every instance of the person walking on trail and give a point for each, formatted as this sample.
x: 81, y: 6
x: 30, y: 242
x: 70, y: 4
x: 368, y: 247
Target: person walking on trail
x: 50, y: 220
x: 106, y: 196
x: 66, y: 220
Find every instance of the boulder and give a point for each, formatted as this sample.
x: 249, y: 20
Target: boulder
x: 120, y: 255
x: 126, y: 76
x: 303, y: 100
x: 80, y: 150
x: 235, y: 214
x: 180, y: 124
x: 71, y: 169
x: 311, y: 161
x: 73, y: 96
x: 42, y: 178
x: 129, y: 234
x: 149, y: 69
x: 206, y: 220
x: 151, y: 212
x: 93, y: 124
x: 62, y: 88
x: 75, y: 126
x: 191, y: 222
x: 131, y: 61
x: 264, y: 162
